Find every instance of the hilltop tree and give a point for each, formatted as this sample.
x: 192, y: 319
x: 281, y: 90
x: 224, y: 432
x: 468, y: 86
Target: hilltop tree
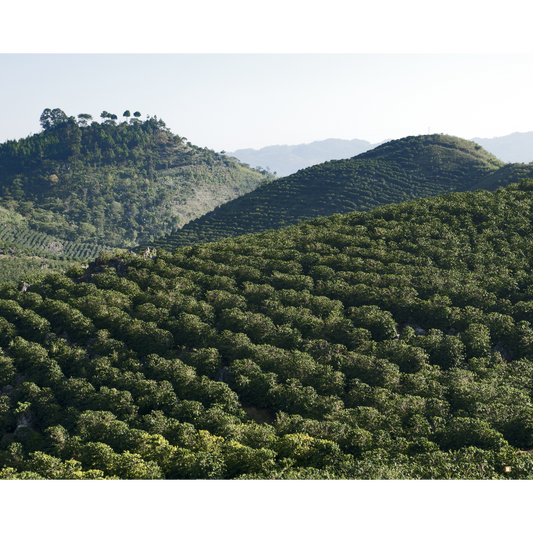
x: 109, y: 117
x: 52, y: 117
x: 83, y: 118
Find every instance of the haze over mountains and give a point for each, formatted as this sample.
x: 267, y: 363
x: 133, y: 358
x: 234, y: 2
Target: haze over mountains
x: 288, y: 159
x: 514, y: 148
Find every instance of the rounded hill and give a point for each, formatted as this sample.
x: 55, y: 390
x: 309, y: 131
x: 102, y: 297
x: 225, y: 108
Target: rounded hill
x: 405, y: 169
x: 111, y: 182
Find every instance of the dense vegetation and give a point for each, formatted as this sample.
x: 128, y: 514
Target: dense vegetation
x: 39, y: 241
x: 27, y: 253
x: 18, y: 262
x: 413, y: 167
x: 391, y: 344
x: 117, y: 183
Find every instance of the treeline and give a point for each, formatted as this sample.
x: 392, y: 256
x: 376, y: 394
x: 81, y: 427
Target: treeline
x: 391, y: 344
x: 409, y: 168
x: 121, y: 183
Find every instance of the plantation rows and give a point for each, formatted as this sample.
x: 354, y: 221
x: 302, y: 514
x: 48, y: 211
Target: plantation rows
x: 45, y: 243
x: 393, y: 344
x: 414, y: 167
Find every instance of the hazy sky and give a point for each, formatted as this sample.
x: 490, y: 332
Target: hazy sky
x: 231, y: 101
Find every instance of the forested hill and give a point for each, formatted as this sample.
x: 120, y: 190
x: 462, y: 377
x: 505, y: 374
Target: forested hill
x: 391, y: 344
x: 116, y: 183
x: 413, y: 167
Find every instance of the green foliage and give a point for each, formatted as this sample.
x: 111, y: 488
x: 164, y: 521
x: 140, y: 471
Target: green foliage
x: 79, y: 187
x: 393, y: 344
x: 412, y: 167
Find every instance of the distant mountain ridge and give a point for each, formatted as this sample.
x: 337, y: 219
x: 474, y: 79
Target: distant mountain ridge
x: 514, y: 148
x: 288, y: 159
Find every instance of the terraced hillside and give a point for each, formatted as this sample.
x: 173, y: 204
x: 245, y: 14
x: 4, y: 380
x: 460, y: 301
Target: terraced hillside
x: 390, y: 344
x: 117, y: 183
x: 413, y: 167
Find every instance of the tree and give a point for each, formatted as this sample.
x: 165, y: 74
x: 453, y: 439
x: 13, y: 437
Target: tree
x: 94, y: 455
x: 240, y: 459
x: 477, y: 340
x: 206, y: 361
x: 371, y: 317
x: 307, y: 451
x: 103, y: 426
x: 251, y: 383
x: 137, y: 114
x: 65, y: 318
x: 7, y: 370
x: 132, y: 466
x: 190, y: 330
x: 126, y: 114
x: 52, y: 117
x: 462, y: 432
x: 446, y: 351
x: 83, y: 118
x: 7, y: 332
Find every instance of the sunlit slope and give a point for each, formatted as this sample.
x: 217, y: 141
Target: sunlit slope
x: 390, y: 344
x: 121, y: 184
x: 510, y: 173
x: 409, y: 168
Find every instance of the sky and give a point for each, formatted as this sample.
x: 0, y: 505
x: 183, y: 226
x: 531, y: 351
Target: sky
x: 240, y: 100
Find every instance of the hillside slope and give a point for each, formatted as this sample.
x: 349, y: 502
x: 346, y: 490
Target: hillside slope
x: 29, y: 254
x: 116, y: 183
x: 414, y: 167
x: 510, y: 173
x: 391, y: 344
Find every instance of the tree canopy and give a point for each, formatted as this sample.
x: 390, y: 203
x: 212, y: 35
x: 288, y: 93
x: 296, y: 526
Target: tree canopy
x: 390, y: 344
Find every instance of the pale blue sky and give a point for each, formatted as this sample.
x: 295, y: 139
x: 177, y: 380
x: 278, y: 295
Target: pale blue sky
x: 231, y: 101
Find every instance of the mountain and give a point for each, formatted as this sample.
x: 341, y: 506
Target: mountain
x: 114, y: 183
x: 510, y: 173
x: 514, y: 148
x: 285, y: 160
x: 395, y: 343
x: 413, y: 167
